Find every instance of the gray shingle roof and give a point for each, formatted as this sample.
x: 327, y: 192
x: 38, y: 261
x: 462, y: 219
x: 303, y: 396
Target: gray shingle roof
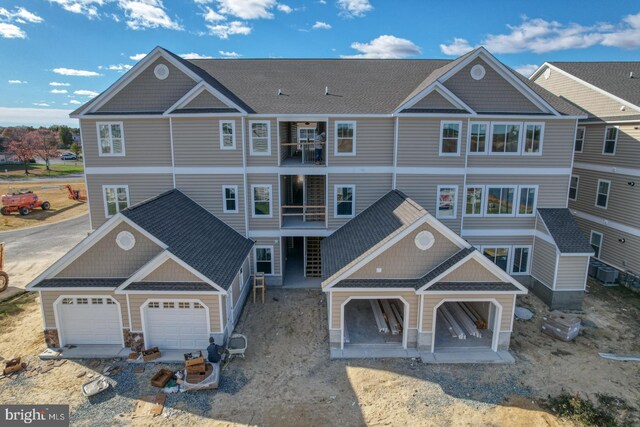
x: 193, y: 234
x: 81, y: 283
x: 203, y: 110
x: 169, y: 286
x: 472, y: 286
x: 565, y: 231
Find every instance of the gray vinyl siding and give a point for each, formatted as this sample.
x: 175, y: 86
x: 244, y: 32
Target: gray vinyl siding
x: 572, y: 272
x: 419, y: 139
x: 147, y: 93
x: 141, y: 187
x: 374, y: 143
x: 262, y: 223
x: 627, y: 147
x: 196, y: 142
x: 369, y: 188
x: 423, y: 189
x: 540, y: 226
x: 260, y: 160
x: 206, y: 190
x: 434, y: 100
x: 277, y: 252
x: 147, y: 142
x: 479, y: 241
x: 206, y: 100
x: 491, y: 94
x: 543, y: 265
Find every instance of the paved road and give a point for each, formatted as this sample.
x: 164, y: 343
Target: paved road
x: 28, y: 252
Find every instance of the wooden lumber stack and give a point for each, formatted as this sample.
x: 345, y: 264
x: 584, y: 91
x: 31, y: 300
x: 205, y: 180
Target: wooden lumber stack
x: 457, y: 329
x: 377, y: 313
x: 391, y: 318
x: 464, y: 319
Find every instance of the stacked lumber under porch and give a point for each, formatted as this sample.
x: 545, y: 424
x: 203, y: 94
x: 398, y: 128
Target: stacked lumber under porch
x: 388, y: 314
x: 461, y: 319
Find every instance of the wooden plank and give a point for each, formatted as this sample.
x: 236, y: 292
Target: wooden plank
x: 377, y: 313
x: 391, y: 318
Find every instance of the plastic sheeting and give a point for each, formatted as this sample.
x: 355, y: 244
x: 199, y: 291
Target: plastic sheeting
x: 209, y: 382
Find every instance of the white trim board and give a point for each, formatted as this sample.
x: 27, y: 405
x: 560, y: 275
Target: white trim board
x: 196, y: 91
x: 607, y: 222
x: 618, y: 170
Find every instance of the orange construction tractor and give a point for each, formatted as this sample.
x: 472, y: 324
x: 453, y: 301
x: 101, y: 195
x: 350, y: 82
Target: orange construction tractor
x: 22, y: 201
x: 76, y: 194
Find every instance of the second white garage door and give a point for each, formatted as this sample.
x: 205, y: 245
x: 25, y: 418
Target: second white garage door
x: 176, y: 324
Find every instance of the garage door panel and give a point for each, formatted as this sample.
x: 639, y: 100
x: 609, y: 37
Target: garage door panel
x: 176, y: 326
x: 89, y: 321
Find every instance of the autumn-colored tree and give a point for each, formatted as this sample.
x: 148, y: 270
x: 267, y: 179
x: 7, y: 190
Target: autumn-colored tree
x: 45, y: 144
x: 20, y: 146
x: 76, y: 149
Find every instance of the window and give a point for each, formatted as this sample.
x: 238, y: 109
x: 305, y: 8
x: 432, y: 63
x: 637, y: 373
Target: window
x: 96, y: 301
x: 596, y: 243
x: 499, y: 200
x: 67, y: 301
x: 573, y: 187
x: 153, y: 304
x: 168, y: 305
x: 261, y: 200
x: 264, y: 259
x: 499, y: 255
x: 116, y: 199
x: 184, y: 305
x: 533, y: 135
x: 478, y: 138
x: 505, y: 138
x: 110, y: 301
x: 450, y: 138
x: 520, y: 264
x: 345, y: 139
x: 602, y: 196
x: 110, y: 139
x: 527, y: 204
x: 82, y: 301
x: 447, y: 197
x: 227, y: 135
x: 473, y: 201
x: 580, y: 134
x: 610, y: 140
x: 230, y: 198
x: 345, y: 201
x: 260, y: 138
x: 197, y: 305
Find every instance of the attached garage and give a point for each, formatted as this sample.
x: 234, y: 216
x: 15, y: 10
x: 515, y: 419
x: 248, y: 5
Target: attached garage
x: 72, y: 313
x: 462, y: 325
x: 373, y: 321
x: 176, y: 324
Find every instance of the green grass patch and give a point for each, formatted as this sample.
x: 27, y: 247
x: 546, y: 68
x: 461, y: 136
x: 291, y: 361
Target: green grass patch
x: 8, y: 172
x: 608, y: 411
x: 15, y: 305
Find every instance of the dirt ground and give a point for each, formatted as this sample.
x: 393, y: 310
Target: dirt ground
x: 287, y: 378
x: 62, y: 208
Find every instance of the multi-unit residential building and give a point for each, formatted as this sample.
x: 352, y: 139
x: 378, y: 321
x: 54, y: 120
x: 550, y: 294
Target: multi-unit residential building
x: 420, y: 182
x: 603, y: 194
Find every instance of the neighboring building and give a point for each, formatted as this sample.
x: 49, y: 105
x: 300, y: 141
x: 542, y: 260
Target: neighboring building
x: 289, y: 151
x: 604, y: 193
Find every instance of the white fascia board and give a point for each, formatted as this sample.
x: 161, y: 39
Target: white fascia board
x: 119, y: 117
x: 72, y: 289
x: 144, y: 271
x: 160, y: 293
x: 442, y: 90
x: 617, y: 170
x: 370, y: 290
x: 197, y: 90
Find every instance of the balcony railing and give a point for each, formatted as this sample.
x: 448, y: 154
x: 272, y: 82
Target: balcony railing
x: 303, y: 154
x: 303, y: 216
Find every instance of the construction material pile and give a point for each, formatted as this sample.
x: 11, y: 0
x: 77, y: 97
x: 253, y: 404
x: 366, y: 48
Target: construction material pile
x: 388, y: 314
x: 461, y: 319
x: 198, y: 374
x: 562, y: 326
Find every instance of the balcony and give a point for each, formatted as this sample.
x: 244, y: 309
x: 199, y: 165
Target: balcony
x: 302, y: 143
x: 303, y: 201
x: 303, y: 216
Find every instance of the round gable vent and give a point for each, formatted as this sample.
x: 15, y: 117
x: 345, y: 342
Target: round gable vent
x: 161, y: 71
x: 478, y: 72
x: 547, y: 73
x: 424, y: 240
x: 125, y: 240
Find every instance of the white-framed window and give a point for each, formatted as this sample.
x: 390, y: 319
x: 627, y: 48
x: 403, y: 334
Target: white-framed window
x: 450, y: 133
x: 505, y: 138
x: 573, y: 187
x: 110, y: 301
x: 478, y: 138
x: 498, y: 254
x: 263, y: 259
x: 528, y: 196
x: 602, y: 193
x: 345, y: 201
x: 581, y: 133
x: 168, y: 305
x: 82, y: 301
x: 533, y: 138
x: 260, y: 138
x: 521, y: 260
x: 67, y: 301
x: 261, y: 196
x: 116, y: 199
x: 153, y: 304
x: 97, y: 301
x: 230, y: 198
x: 110, y: 138
x: 184, y: 304
x: 345, y: 141
x: 610, y: 140
x: 474, y: 201
x: 227, y: 134
x: 197, y: 305
x: 596, y: 240
x: 447, y: 201
x: 499, y: 200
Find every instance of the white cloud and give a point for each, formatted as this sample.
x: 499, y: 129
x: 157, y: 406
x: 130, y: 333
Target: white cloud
x: 526, y: 69
x: 137, y: 56
x: 41, y: 104
x: 247, y: 9
x: 10, y: 31
x: 25, y: 15
x: 84, y: 92
x: 194, y: 55
x: 457, y: 48
x: 75, y: 102
x: 225, y: 30
x: 385, y: 47
x: 59, y: 84
x: 627, y: 35
x: 229, y: 54
x: 116, y: 67
x: 36, y: 117
x: 143, y: 14
x: 89, y: 8
x: 354, y: 8
x: 58, y: 91
x: 284, y: 8
x: 16, y: 82
x: 211, y: 15
x: 74, y: 72
x: 319, y: 25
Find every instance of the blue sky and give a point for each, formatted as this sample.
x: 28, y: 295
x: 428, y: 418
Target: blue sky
x: 62, y: 52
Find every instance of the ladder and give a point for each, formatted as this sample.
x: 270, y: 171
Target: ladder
x: 315, y: 197
x: 314, y: 261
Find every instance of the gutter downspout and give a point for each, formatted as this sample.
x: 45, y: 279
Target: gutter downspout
x: 396, y: 123
x: 464, y: 181
x: 173, y: 162
x: 244, y: 178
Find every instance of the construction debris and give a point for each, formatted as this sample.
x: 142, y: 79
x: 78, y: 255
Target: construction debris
x: 161, y: 378
x: 620, y: 357
x: 149, y: 406
x: 95, y: 386
x: 13, y: 365
x: 150, y: 354
x: 390, y: 317
x: 523, y: 313
x: 564, y: 327
x: 377, y: 313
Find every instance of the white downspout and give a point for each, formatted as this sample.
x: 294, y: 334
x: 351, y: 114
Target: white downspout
x: 464, y: 182
x: 396, y: 123
x: 173, y: 161
x: 244, y: 177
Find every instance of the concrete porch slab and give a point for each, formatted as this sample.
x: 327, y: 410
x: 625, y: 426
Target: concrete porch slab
x: 363, y: 352
x: 478, y: 356
x: 88, y: 351
x: 169, y: 356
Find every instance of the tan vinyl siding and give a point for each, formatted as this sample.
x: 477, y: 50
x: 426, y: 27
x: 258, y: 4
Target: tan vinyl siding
x: 434, y: 100
x: 572, y: 272
x: 49, y: 297
x: 106, y: 259
x: 147, y: 142
x: 277, y: 252
x: 419, y: 140
x: 206, y: 100
x: 431, y: 301
x: 263, y: 222
x: 210, y: 300
x: 147, y: 93
x: 374, y: 142
x: 414, y: 262
x: 196, y: 142
x: 543, y: 264
x: 478, y: 241
x: 471, y: 271
x: 627, y: 146
x: 369, y: 188
x: 206, y: 190
x: 141, y: 188
x: 340, y: 297
x: 262, y: 160
x: 171, y: 271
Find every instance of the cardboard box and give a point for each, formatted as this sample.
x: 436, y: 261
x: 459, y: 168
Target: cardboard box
x: 150, y: 354
x: 161, y: 378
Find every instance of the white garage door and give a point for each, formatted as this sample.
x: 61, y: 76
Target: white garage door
x: 89, y: 320
x: 176, y: 324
